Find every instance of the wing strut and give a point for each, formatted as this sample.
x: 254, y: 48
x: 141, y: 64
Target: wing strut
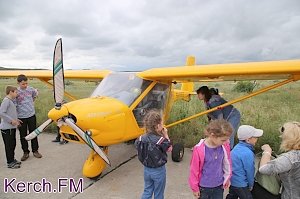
x: 233, y: 101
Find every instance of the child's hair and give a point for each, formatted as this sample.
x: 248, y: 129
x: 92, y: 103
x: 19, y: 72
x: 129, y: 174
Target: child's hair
x: 151, y: 120
x: 204, y: 91
x: 290, y: 136
x: 9, y: 89
x: 218, y: 128
x: 21, y: 78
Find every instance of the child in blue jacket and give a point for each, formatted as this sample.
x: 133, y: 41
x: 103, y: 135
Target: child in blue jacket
x: 152, y: 148
x: 243, y: 165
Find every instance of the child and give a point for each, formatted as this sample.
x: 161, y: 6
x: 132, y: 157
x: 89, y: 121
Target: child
x: 8, y: 125
x: 152, y: 148
x: 243, y: 165
x: 210, y: 167
x: 26, y: 113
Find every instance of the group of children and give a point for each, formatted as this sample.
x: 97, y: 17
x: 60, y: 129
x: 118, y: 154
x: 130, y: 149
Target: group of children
x: 213, y: 167
x: 17, y: 111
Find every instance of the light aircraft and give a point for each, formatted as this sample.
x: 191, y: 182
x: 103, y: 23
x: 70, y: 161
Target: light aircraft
x: 114, y: 112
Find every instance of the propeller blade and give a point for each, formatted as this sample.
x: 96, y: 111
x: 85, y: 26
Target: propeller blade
x: 88, y: 140
x: 58, y: 74
x: 40, y: 129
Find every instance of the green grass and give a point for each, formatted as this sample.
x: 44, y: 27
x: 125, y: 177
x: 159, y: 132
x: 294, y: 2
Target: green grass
x: 267, y: 111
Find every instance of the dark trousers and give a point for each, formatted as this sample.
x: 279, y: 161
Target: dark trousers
x: 58, y: 134
x: 30, y: 125
x: 239, y: 192
x: 9, y: 139
x: 211, y: 193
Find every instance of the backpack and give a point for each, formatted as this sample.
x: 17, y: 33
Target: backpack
x: 266, y: 186
x: 150, y: 153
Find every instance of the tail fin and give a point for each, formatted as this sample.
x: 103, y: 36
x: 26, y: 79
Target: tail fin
x: 189, y: 86
x: 187, y: 89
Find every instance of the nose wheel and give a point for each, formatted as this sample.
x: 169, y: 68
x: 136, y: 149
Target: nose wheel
x: 94, y: 165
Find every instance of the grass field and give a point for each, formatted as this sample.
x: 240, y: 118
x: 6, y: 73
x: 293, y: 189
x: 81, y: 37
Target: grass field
x: 267, y: 111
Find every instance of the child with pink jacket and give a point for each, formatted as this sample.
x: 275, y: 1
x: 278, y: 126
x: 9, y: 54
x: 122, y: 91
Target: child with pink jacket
x: 210, y: 167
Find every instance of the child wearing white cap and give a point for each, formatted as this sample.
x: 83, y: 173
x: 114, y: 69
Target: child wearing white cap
x: 243, y: 165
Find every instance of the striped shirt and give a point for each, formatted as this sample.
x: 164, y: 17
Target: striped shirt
x: 25, y: 102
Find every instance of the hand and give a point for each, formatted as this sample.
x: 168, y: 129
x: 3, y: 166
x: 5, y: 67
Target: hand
x: 266, y: 148
x: 16, y: 122
x: 164, y: 130
x: 226, y: 185
x: 197, y: 194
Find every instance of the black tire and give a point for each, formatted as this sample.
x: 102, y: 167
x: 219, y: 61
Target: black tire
x: 96, y: 178
x: 177, y: 152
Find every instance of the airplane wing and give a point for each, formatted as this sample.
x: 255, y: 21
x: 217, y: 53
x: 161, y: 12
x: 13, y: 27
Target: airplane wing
x: 226, y: 72
x: 47, y: 74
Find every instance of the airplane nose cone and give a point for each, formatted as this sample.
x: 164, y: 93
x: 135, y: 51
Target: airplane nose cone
x: 55, y: 114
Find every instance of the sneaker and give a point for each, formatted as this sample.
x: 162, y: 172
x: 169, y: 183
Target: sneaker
x: 13, y: 165
x: 56, y: 140
x: 17, y: 162
x: 63, y: 142
x: 37, y: 154
x: 25, y: 156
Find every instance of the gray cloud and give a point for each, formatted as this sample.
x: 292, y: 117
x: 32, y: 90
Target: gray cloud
x: 135, y: 35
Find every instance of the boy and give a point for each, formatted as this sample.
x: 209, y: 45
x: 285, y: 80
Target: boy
x: 26, y: 113
x: 8, y: 126
x: 243, y: 165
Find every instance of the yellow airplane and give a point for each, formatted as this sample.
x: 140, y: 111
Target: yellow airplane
x: 114, y: 112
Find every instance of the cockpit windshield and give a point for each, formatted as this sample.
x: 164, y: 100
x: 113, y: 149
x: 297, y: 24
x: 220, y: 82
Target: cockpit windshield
x: 125, y: 87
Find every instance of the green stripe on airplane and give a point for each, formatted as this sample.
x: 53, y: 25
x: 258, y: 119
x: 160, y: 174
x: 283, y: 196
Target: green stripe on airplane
x: 37, y: 131
x: 88, y: 139
x: 57, y: 67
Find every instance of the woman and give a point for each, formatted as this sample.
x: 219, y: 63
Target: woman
x: 229, y: 113
x: 287, y: 165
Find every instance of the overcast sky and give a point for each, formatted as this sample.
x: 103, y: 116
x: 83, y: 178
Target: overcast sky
x: 139, y: 34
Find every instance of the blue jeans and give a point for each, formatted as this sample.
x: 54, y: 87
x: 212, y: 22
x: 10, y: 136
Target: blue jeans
x: 154, y: 182
x: 239, y: 192
x: 234, y: 119
x: 211, y: 193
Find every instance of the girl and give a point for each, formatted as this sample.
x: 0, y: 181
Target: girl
x: 210, y: 167
x: 228, y: 113
x: 152, y: 148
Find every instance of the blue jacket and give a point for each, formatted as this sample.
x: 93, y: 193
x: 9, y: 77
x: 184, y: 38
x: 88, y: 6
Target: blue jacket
x: 152, y: 150
x: 243, y: 165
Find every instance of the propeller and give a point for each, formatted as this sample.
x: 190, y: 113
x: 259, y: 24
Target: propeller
x: 40, y: 129
x: 87, y: 139
x: 58, y: 75
x: 59, y: 88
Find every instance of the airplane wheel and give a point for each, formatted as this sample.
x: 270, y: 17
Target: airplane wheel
x: 96, y: 177
x: 177, y: 152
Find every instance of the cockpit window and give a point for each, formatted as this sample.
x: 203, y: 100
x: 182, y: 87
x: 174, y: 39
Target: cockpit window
x: 125, y: 87
x: 155, y: 99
